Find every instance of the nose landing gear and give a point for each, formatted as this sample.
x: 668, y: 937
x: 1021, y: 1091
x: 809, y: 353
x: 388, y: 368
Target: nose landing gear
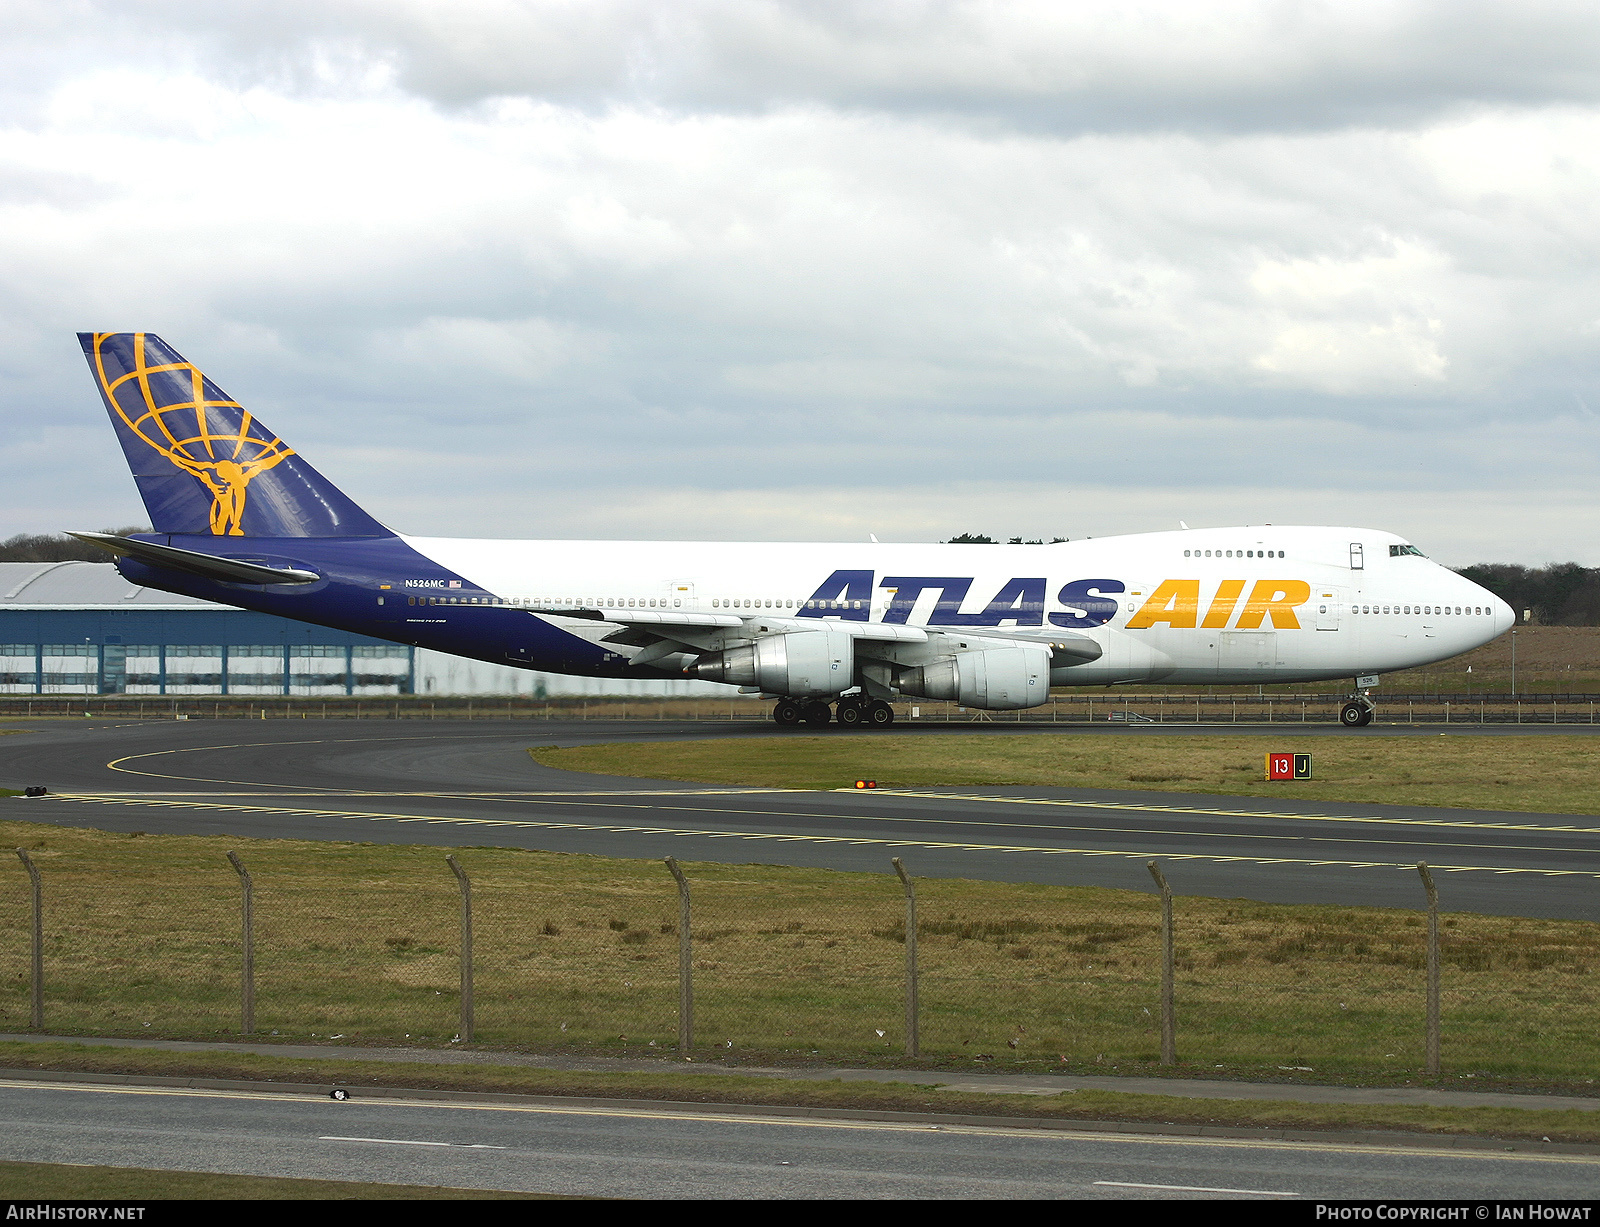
x: 1356, y: 713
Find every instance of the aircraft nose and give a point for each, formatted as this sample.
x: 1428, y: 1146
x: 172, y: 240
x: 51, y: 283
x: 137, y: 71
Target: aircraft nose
x: 1504, y: 617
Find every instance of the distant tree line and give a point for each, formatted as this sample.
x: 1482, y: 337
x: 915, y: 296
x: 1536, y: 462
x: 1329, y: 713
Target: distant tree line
x: 1561, y: 594
x: 980, y: 539
x: 53, y: 547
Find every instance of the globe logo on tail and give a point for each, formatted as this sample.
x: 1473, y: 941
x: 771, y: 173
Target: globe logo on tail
x: 172, y: 409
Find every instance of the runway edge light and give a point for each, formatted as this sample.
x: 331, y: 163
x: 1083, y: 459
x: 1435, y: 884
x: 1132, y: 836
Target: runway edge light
x: 1288, y: 767
x: 866, y: 783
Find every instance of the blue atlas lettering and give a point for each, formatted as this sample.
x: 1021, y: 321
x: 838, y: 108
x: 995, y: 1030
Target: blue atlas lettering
x: 1087, y: 602
x: 844, y: 594
x: 1020, y: 602
x: 907, y: 588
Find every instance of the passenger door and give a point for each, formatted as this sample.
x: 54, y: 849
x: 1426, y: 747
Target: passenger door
x: 1329, y: 606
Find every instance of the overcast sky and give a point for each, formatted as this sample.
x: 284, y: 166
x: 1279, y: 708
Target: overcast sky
x: 788, y: 271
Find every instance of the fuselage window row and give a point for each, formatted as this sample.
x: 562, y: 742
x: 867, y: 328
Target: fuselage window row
x: 1233, y: 553
x: 1433, y: 610
x: 661, y: 603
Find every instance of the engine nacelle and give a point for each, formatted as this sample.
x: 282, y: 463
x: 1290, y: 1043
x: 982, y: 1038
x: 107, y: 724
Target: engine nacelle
x: 801, y: 665
x: 997, y: 679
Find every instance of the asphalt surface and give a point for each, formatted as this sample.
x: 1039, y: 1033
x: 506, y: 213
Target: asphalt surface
x: 464, y: 783
x: 658, y: 1153
x: 988, y: 1084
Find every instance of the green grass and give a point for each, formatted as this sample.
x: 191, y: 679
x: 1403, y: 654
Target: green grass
x: 1554, y: 775
x: 358, y: 942
x: 80, y: 1182
x: 923, y: 1095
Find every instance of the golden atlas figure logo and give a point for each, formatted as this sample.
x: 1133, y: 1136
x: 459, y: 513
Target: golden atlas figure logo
x: 214, y: 440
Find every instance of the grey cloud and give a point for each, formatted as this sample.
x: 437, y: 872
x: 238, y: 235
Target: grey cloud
x: 698, y: 316
x: 1046, y: 67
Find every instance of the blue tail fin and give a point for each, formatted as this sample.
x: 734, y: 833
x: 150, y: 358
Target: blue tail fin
x: 202, y: 462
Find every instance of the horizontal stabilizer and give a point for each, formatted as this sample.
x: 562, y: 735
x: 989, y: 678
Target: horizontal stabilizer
x: 227, y: 570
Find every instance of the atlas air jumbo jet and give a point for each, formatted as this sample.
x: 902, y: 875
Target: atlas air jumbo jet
x: 831, y: 631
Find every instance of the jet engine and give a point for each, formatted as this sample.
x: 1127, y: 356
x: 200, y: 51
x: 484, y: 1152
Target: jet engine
x: 803, y: 664
x: 997, y: 679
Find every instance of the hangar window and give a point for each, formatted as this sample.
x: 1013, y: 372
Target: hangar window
x: 69, y: 649
x: 16, y: 649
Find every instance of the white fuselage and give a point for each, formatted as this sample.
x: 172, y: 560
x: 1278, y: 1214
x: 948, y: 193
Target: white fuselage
x: 1257, y: 604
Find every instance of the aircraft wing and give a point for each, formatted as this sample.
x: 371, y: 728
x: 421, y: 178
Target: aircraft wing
x: 663, y: 623
x: 660, y: 634
x: 1078, y: 649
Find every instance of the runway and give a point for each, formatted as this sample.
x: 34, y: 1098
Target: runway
x: 472, y: 783
x: 635, y: 1150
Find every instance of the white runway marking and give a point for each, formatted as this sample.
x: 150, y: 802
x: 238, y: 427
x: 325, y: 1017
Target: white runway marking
x: 1191, y: 1188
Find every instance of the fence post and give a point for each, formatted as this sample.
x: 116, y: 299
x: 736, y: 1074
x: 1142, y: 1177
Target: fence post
x: 1169, y: 1019
x: 466, y: 947
x: 685, y: 964
x: 911, y: 958
x: 1431, y: 1043
x: 247, y: 980
x: 36, y: 1020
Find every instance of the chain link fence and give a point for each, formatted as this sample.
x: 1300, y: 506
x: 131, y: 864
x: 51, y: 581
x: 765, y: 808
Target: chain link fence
x: 365, y: 943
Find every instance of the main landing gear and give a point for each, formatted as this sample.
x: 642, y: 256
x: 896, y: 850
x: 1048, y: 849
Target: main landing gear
x: 1357, y: 712
x: 853, y: 712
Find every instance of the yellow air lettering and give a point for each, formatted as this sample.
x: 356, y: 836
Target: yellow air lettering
x: 1274, y: 599
x: 1222, y: 605
x: 1176, y: 602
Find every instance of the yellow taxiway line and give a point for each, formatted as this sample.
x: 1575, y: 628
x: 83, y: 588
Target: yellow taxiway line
x: 798, y: 1122
x: 781, y: 837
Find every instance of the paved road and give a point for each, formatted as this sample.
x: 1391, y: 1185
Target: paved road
x: 631, y: 1151
x: 472, y: 783
x: 988, y: 1084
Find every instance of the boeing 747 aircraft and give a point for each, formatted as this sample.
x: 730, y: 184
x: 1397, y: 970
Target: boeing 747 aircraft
x: 831, y: 631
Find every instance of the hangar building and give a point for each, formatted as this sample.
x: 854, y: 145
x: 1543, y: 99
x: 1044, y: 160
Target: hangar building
x: 80, y: 628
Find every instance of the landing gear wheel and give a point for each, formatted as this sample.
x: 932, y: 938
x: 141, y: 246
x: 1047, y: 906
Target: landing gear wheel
x: 788, y: 712
x: 816, y: 714
x: 851, y: 715
x: 879, y: 714
x: 1355, y: 715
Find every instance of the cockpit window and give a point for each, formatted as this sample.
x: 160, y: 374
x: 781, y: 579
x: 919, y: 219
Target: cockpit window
x: 1400, y: 551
